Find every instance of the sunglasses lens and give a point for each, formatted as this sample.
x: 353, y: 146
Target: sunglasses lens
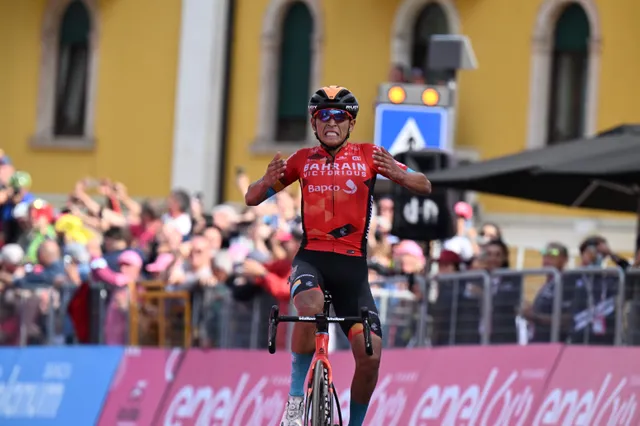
x: 327, y: 114
x: 551, y: 252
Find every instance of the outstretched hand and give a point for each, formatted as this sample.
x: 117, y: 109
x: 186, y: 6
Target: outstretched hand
x: 386, y: 164
x: 275, y: 170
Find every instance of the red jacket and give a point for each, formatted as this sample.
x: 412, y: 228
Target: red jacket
x: 276, y: 282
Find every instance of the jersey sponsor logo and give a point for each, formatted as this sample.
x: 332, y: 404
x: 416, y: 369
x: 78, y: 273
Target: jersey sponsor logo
x: 351, y: 188
x: 335, y: 169
x: 323, y: 188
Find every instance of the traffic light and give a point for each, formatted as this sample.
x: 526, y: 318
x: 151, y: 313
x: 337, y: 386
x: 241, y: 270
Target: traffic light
x: 415, y: 94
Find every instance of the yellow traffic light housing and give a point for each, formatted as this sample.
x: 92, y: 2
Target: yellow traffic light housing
x: 396, y: 95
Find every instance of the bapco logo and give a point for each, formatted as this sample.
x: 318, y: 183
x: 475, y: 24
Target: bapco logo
x: 351, y: 188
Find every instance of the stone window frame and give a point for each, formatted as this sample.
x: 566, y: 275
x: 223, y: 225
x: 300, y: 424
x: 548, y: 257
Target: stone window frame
x: 52, y: 23
x: 405, y: 19
x: 270, y: 37
x: 540, y: 74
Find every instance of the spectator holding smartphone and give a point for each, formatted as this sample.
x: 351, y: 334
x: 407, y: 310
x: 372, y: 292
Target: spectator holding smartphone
x: 464, y: 243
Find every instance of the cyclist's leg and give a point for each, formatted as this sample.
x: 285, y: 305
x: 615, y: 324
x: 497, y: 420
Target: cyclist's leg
x: 308, y: 299
x: 351, y: 293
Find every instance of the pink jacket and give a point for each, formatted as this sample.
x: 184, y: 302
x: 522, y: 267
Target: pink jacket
x: 116, y: 325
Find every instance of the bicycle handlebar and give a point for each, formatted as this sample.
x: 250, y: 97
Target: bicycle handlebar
x: 289, y: 318
x: 321, y: 320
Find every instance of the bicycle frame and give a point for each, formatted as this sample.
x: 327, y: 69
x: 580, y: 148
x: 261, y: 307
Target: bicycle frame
x: 322, y: 347
x: 322, y: 321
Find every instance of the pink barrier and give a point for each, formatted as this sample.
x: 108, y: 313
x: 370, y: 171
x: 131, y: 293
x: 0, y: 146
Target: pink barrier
x: 592, y: 386
x: 400, y: 372
x: 481, y: 386
x: 230, y: 388
x: 139, y: 385
x: 535, y: 385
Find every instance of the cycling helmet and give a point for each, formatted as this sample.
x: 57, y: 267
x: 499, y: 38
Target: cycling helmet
x: 336, y: 97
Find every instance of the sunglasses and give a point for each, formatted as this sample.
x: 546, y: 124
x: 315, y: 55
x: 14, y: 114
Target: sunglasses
x: 552, y: 252
x: 327, y: 114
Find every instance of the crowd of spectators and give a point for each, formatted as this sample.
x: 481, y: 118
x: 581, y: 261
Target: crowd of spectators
x: 50, y: 256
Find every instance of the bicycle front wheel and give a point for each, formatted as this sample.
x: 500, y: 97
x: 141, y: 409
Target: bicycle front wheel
x: 321, y: 403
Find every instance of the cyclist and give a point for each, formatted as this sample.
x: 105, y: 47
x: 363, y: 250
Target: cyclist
x: 337, y: 180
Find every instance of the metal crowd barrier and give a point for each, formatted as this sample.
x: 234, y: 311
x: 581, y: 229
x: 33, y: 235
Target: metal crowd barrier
x: 469, y: 309
x: 36, y: 315
x: 632, y: 308
x: 547, y: 273
x: 588, y: 318
x: 399, y: 316
x: 462, y: 309
x: 162, y: 306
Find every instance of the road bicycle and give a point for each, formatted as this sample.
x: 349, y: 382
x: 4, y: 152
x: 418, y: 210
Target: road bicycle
x: 321, y: 392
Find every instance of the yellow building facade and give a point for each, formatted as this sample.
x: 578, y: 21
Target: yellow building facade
x: 571, y: 60
x: 184, y: 92
x: 120, y: 123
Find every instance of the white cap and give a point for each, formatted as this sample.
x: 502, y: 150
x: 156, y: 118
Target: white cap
x: 21, y: 210
x: 12, y: 254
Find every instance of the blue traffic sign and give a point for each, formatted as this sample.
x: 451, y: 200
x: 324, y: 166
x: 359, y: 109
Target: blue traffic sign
x: 399, y: 128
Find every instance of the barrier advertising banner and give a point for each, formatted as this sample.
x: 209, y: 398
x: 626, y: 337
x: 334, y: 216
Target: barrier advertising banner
x: 480, y: 386
x: 8, y: 358
x: 57, y: 385
x: 230, y: 388
x: 400, y: 371
x: 536, y: 385
x: 139, y: 385
x: 596, y: 386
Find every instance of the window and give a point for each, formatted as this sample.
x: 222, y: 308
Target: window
x: 73, y: 70
x: 291, y: 62
x: 569, y: 69
x: 68, y: 75
x: 565, y: 71
x: 295, y: 72
x: 432, y: 20
x: 415, y: 22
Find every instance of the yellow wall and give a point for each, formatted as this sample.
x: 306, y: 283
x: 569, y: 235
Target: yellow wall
x: 503, y: 76
x: 493, y: 99
x: 366, y: 44
x: 135, y: 96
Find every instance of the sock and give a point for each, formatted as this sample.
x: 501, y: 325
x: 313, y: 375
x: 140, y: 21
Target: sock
x: 300, y: 364
x: 357, y: 413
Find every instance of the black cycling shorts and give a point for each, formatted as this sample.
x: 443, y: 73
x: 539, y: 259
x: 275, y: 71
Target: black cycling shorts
x: 346, y: 278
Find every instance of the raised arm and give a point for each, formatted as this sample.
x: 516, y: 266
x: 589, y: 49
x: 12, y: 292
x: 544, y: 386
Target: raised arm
x: 280, y: 174
x: 387, y: 166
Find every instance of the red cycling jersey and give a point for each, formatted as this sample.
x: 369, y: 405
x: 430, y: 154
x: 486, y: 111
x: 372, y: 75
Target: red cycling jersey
x: 337, y: 195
